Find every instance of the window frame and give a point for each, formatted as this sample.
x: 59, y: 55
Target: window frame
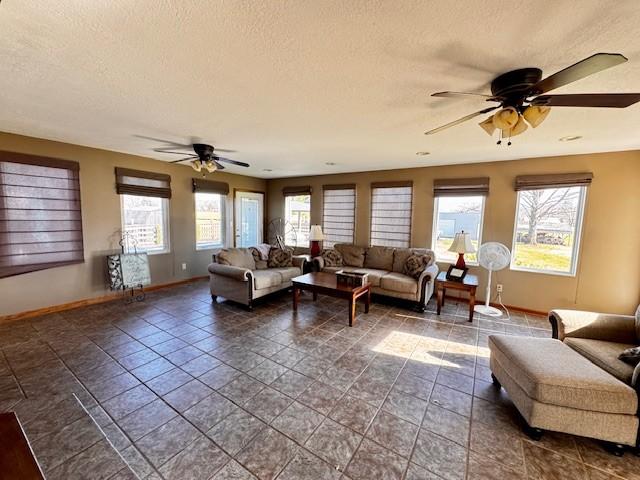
x: 384, y: 185
x: 575, y: 251
x: 286, y: 198
x: 434, y: 227
x: 355, y: 207
x: 223, y: 222
x: 165, y: 207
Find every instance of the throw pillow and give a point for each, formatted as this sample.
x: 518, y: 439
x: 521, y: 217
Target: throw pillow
x: 332, y: 258
x: 631, y: 356
x: 415, y: 264
x: 257, y: 257
x: 279, y: 258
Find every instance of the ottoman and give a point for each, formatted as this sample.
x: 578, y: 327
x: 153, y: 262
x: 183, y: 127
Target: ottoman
x: 556, y: 388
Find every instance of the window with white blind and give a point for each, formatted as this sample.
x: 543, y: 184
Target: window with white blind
x: 338, y: 214
x: 40, y: 217
x: 391, y: 214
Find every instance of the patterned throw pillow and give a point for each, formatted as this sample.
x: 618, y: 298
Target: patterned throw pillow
x: 279, y: 258
x: 415, y: 264
x: 260, y: 263
x: 631, y: 356
x: 332, y: 258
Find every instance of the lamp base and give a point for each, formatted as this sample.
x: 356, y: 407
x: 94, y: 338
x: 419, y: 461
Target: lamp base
x: 315, y: 248
x: 488, y: 311
x: 460, y: 263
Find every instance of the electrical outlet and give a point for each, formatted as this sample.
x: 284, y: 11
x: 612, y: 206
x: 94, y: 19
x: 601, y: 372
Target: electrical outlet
x: 184, y: 266
x: 499, y: 288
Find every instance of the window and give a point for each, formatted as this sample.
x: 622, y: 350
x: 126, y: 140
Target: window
x: 298, y: 214
x: 40, y: 217
x: 338, y: 214
x: 146, y: 220
x: 210, y: 200
x: 144, y: 201
x: 210, y: 209
x: 391, y: 214
x: 454, y: 214
x: 547, y: 232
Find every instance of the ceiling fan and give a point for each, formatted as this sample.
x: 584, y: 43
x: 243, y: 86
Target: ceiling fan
x: 519, y: 94
x: 203, y: 158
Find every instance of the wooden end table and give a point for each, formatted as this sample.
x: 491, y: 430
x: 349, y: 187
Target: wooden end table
x: 327, y: 284
x: 468, y: 284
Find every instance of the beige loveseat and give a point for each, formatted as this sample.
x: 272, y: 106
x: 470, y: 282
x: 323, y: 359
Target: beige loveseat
x: 234, y: 275
x: 385, y: 266
x: 575, y: 382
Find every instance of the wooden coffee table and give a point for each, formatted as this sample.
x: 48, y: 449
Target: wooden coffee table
x: 327, y: 284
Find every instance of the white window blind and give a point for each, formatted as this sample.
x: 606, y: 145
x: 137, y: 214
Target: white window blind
x: 391, y: 214
x: 338, y: 214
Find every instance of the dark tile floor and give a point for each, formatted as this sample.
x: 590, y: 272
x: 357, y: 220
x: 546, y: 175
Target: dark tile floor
x: 178, y: 388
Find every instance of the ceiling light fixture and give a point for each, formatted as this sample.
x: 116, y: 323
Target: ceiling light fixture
x: 330, y: 163
x: 422, y: 154
x: 210, y: 166
x: 267, y: 170
x: 196, y: 165
x: 570, y: 138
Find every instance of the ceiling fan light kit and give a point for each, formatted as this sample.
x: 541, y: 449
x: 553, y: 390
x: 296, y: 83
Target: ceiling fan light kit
x: 522, y: 103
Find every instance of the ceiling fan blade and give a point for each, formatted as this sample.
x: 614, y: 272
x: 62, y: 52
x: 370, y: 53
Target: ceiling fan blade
x: 220, y: 167
x: 611, y: 100
x: 590, y: 65
x: 233, y: 162
x: 225, y: 150
x: 460, y: 120
x: 465, y: 94
x: 163, y: 150
x: 190, y: 157
x: 162, y: 140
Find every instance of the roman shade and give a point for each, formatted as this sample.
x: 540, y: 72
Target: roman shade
x: 210, y: 186
x: 40, y: 215
x: 557, y: 180
x: 338, y: 214
x: 293, y: 191
x: 145, y: 184
x: 391, y: 204
x: 460, y: 187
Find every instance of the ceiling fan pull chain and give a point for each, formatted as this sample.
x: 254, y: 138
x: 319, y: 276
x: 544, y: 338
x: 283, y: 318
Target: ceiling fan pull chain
x: 499, y: 142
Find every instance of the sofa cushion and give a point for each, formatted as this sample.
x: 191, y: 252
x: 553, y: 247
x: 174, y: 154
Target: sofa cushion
x: 379, y: 258
x: 374, y: 275
x: 397, y: 282
x: 266, y: 278
x: 236, y: 257
x: 400, y: 256
x: 257, y: 258
x: 287, y: 273
x: 630, y: 356
x: 279, y: 258
x: 337, y: 269
x: 332, y: 258
x: 415, y: 264
x: 605, y: 355
x: 352, y: 255
x: 551, y: 372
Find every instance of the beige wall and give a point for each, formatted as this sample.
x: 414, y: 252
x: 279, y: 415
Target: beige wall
x: 101, y: 226
x: 608, y: 275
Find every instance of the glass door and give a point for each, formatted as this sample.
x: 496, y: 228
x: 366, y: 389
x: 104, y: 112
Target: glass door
x: 249, y: 215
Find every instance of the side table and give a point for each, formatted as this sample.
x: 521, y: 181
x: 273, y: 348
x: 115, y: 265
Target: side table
x: 468, y: 284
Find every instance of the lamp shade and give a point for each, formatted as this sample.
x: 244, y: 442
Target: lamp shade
x: 462, y: 244
x: 535, y: 115
x: 315, y: 234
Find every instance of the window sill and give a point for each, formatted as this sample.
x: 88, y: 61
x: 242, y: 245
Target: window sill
x: 155, y: 252
x: 211, y: 246
x: 453, y: 262
x: 543, y: 272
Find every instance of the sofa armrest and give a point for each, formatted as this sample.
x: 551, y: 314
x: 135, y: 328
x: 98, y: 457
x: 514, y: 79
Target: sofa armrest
x: 299, y: 261
x: 428, y: 275
x: 596, y: 326
x: 237, y: 273
x: 319, y: 262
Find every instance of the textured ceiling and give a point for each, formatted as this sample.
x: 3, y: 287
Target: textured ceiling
x: 292, y: 85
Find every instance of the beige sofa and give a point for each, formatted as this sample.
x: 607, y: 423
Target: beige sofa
x: 384, y: 266
x: 575, y: 382
x: 243, y: 281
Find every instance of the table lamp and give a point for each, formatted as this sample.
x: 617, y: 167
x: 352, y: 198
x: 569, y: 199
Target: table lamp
x: 315, y: 237
x: 461, y: 245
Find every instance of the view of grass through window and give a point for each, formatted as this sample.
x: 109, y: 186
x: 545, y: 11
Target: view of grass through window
x: 454, y: 215
x: 547, y: 225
